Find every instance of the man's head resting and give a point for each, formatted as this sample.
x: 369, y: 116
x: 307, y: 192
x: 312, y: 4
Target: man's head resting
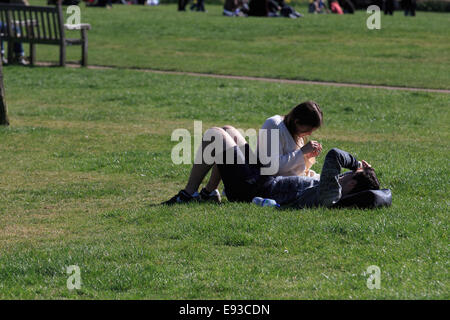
x: 359, y: 180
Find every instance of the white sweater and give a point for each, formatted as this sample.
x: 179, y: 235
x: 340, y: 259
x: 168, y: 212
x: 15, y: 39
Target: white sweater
x: 291, y: 159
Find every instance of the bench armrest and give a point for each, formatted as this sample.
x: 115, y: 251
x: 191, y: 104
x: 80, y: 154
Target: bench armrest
x: 81, y: 26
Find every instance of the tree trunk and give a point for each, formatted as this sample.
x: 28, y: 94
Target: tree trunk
x: 3, y: 109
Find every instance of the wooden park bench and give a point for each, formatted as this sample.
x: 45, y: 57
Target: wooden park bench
x: 40, y: 25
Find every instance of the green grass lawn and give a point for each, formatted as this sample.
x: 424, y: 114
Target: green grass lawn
x: 405, y: 52
x: 87, y: 157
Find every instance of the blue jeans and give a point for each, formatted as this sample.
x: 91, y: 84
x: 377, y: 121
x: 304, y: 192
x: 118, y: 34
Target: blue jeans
x: 301, y: 191
x: 18, y: 48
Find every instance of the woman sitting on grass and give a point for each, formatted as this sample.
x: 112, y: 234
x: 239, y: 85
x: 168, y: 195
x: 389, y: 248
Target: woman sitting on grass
x: 294, y: 156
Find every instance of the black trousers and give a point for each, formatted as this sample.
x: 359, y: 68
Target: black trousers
x: 200, y: 5
x: 182, y: 5
x: 410, y: 7
x: 389, y: 7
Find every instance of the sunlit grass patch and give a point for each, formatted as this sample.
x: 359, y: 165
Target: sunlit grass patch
x: 82, y: 190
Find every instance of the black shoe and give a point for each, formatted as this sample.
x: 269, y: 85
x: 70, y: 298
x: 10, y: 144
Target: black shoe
x: 213, y: 196
x: 181, y: 197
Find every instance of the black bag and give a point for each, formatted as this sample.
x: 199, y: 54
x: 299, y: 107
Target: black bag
x: 368, y: 199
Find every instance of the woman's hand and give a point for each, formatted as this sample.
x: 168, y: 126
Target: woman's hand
x: 312, y: 149
x: 362, y: 165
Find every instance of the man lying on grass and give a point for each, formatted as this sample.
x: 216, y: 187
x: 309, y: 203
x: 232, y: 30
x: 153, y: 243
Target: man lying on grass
x: 243, y: 181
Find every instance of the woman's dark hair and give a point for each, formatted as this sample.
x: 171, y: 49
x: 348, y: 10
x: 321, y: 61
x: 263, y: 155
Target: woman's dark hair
x: 307, y: 114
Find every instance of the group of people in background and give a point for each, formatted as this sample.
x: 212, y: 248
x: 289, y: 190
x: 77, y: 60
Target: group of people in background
x: 197, y: 5
x: 390, y: 5
x: 258, y: 8
x: 334, y: 6
x: 232, y: 8
x: 108, y: 3
x: 347, y: 6
x: 263, y: 8
x: 266, y: 8
x: 279, y: 8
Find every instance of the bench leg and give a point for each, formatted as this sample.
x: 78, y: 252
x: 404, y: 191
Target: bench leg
x: 84, y: 48
x: 62, y: 55
x: 32, y: 54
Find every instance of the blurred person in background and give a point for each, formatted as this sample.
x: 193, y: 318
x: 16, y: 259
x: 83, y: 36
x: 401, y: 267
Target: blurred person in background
x: 389, y: 7
x: 258, y: 8
x: 410, y: 7
x: 274, y: 8
x: 198, y: 5
x: 319, y: 7
x: 287, y: 11
x: 335, y: 7
x: 182, y: 5
x: 230, y: 8
x: 96, y: 3
x: 347, y: 6
x: 311, y: 6
x: 235, y: 8
x: 19, y: 53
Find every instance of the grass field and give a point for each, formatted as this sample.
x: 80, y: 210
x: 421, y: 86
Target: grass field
x: 86, y: 160
x: 405, y: 52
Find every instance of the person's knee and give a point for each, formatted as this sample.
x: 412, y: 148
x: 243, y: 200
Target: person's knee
x: 214, y: 131
x: 228, y: 128
x: 216, y: 134
x: 333, y: 152
x: 235, y: 134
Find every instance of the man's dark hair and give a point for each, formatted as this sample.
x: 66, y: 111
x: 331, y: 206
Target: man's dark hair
x: 365, y: 180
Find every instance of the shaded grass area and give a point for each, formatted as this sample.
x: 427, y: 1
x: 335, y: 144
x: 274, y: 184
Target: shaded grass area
x: 87, y: 157
x: 405, y: 52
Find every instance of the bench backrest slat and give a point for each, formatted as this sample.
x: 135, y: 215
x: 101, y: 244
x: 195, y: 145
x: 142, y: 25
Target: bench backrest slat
x: 8, y: 25
x: 20, y: 29
x: 30, y: 28
x: 32, y: 23
x: 13, y: 17
x: 37, y: 28
x: 14, y: 28
x: 45, y: 23
x: 60, y: 18
x: 3, y: 18
x: 54, y: 25
x: 51, y: 32
x: 24, y: 30
x: 42, y: 24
